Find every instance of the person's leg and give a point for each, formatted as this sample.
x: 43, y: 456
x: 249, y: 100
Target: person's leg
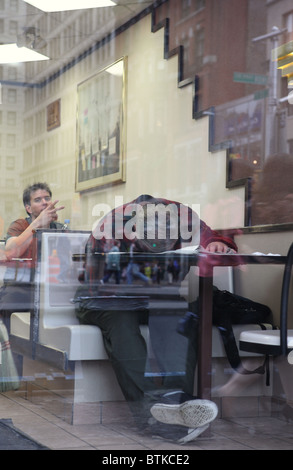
x: 117, y: 276
x: 127, y: 351
x: 191, y: 359
x: 136, y: 272
x: 129, y: 276
x: 143, y: 278
x: 107, y: 276
x: 126, y: 348
x: 240, y: 380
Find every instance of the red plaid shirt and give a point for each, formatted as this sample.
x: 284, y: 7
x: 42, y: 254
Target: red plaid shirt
x: 103, y: 244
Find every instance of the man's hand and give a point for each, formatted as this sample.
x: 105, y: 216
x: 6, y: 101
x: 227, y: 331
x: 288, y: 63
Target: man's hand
x: 219, y: 247
x: 48, y: 215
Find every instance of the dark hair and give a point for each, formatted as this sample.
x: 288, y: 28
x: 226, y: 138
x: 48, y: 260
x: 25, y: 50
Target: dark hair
x: 26, y: 197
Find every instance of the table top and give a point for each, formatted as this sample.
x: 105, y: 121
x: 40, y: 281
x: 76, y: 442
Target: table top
x: 223, y: 259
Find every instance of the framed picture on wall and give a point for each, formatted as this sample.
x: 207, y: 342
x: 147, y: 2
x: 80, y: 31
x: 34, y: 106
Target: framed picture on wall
x: 101, y: 128
x: 53, y: 115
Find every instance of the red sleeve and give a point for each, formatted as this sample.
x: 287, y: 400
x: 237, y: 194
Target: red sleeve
x: 207, y: 235
x: 17, y: 227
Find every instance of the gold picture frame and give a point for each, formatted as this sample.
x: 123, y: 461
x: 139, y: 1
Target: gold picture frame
x: 101, y: 128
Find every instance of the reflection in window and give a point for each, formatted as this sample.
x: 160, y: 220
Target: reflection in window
x: 288, y: 24
x: 13, y: 26
x: 10, y: 163
x: 199, y: 48
x: 12, y: 73
x: 272, y: 200
x: 11, y: 96
x: 11, y: 140
x: 14, y: 5
x: 200, y: 4
x: 186, y: 4
x: 9, y: 183
x: 11, y: 118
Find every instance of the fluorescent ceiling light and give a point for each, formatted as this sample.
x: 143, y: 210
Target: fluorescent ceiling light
x: 64, y: 5
x: 10, y: 53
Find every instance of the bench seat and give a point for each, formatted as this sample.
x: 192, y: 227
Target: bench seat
x: 79, y: 342
x: 85, y: 342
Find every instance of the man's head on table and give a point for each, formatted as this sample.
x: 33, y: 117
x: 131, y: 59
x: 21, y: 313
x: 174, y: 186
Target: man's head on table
x: 155, y: 225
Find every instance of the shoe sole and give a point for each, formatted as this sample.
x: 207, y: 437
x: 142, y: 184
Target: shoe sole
x: 193, y: 434
x: 192, y: 414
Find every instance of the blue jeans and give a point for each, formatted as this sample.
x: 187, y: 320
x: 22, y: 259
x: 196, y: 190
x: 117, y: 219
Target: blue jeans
x: 133, y: 271
x: 109, y: 273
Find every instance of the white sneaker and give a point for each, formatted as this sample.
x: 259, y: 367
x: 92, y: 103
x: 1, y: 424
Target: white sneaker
x: 192, y: 414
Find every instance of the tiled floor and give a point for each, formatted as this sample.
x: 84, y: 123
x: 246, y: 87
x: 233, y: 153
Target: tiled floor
x: 261, y: 433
